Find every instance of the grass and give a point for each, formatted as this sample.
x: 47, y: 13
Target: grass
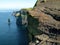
x: 27, y: 9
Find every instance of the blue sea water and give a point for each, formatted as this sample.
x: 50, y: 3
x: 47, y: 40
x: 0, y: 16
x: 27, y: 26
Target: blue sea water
x: 10, y: 34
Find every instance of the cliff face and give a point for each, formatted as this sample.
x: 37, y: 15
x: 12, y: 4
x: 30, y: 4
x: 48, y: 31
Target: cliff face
x: 50, y: 7
x: 48, y: 14
x: 48, y: 3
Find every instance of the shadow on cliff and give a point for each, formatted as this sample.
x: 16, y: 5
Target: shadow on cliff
x: 33, y: 24
x: 23, y: 33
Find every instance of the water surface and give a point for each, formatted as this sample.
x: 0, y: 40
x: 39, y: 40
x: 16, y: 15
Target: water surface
x: 10, y: 34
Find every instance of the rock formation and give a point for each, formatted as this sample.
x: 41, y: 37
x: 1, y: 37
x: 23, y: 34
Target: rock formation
x: 21, y: 17
x: 48, y: 14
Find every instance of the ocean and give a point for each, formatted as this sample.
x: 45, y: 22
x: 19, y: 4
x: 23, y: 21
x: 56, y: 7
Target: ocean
x: 11, y: 34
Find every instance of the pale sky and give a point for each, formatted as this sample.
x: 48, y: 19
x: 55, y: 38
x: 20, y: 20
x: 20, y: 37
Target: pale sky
x: 16, y: 4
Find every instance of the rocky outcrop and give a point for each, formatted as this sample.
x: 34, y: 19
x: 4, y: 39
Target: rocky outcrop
x: 50, y: 7
x: 48, y: 14
x: 21, y: 17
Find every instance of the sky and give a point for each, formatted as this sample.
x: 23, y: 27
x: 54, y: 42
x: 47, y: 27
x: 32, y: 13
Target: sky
x: 16, y: 4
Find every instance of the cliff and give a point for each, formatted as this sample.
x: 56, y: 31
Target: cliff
x: 48, y: 14
x: 50, y: 7
x: 43, y: 22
